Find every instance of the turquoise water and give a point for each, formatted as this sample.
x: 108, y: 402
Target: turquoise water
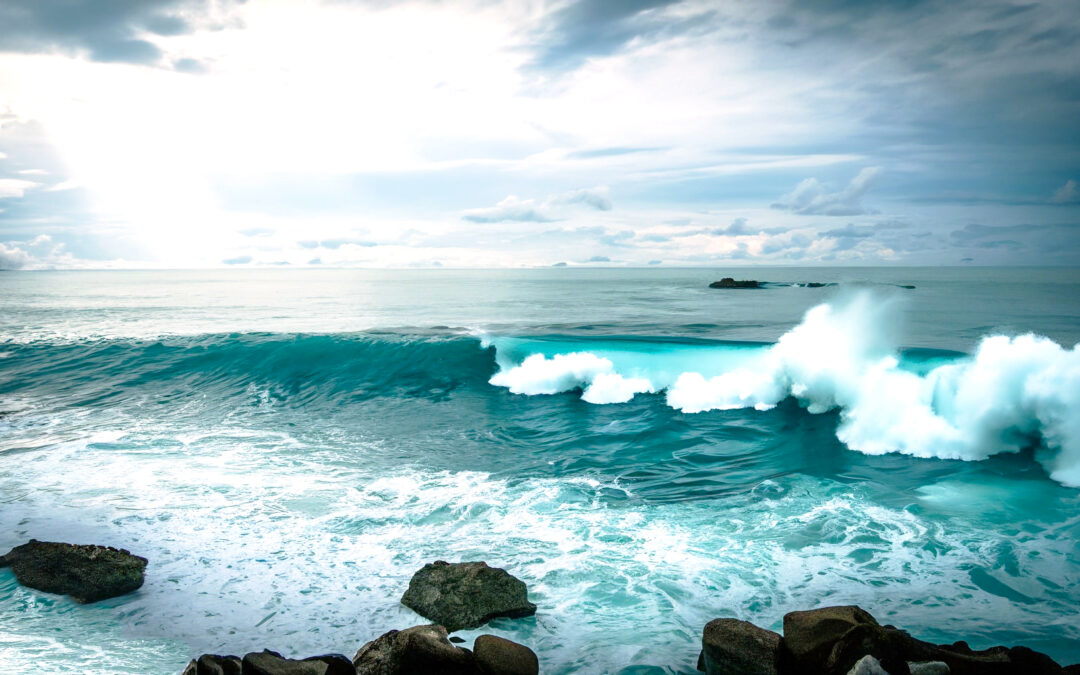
x: 288, y: 447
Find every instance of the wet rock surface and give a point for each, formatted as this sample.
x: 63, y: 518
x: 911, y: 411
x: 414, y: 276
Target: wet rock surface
x: 466, y: 595
x: 86, y: 573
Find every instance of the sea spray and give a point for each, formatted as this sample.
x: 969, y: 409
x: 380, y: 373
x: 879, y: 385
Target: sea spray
x: 1011, y: 394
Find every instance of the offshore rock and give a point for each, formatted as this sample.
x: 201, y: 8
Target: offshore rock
x: 729, y: 282
x: 271, y: 663
x: 733, y: 647
x: 86, y: 573
x: 466, y: 595
x: 416, y: 650
x: 499, y: 656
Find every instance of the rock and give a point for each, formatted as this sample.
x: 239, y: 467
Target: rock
x: 498, y: 656
x: 214, y: 664
x: 86, y: 573
x: 892, y: 648
x: 734, y: 647
x: 928, y: 668
x: 413, y: 651
x: 466, y: 595
x: 867, y: 665
x: 728, y: 282
x: 809, y: 636
x: 271, y: 663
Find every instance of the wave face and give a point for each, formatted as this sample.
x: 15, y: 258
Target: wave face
x: 1011, y: 394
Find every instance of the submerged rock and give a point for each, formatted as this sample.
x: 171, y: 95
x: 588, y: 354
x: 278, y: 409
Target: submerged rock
x: 733, y: 647
x: 86, y: 573
x: 499, y: 656
x: 420, y: 649
x: 466, y: 595
x: 271, y: 663
x: 729, y: 282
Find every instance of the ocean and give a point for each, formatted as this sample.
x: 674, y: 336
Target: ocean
x: 287, y: 447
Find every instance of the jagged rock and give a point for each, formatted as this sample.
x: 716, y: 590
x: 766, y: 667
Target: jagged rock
x: 729, y: 282
x: 267, y: 662
x: 413, y: 651
x: 928, y: 668
x: 466, y: 595
x: 809, y: 636
x: 498, y: 656
x: 867, y: 665
x: 734, y: 647
x: 86, y: 573
x: 214, y: 664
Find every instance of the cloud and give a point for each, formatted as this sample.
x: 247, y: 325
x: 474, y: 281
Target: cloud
x: 599, y: 259
x: 108, y: 31
x: 810, y: 197
x: 13, y: 258
x: 1069, y: 193
x: 14, y: 187
x: 513, y: 209
x: 238, y: 260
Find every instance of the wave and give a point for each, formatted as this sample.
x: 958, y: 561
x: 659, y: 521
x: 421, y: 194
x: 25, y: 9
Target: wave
x: 1013, y: 393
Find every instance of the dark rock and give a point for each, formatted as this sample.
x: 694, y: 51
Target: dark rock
x: 414, y: 651
x: 86, y: 573
x: 928, y: 668
x: 809, y: 636
x: 498, y: 656
x: 889, y: 646
x: 730, y: 646
x: 728, y: 282
x: 214, y: 664
x: 466, y: 595
x: 271, y: 663
x: 456, y: 640
x: 1074, y: 669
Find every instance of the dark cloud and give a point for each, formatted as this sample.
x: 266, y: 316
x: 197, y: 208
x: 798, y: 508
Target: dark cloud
x: 589, y: 28
x: 103, y: 30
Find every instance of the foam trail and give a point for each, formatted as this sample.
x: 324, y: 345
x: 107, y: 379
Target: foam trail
x: 1010, y: 394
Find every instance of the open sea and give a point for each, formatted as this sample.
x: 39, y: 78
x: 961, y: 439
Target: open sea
x: 644, y: 452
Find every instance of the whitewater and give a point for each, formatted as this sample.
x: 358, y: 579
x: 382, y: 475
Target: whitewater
x: 646, y: 453
x: 1013, y: 393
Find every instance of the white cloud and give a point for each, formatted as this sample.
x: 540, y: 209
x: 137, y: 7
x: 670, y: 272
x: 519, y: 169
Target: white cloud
x: 554, y: 207
x: 810, y: 197
x: 13, y: 258
x: 1069, y: 193
x: 15, y: 187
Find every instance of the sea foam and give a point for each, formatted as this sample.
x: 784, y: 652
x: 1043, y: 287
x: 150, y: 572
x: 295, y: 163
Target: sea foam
x: 1010, y: 394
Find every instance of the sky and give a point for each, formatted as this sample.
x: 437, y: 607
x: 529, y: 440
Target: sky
x: 372, y: 133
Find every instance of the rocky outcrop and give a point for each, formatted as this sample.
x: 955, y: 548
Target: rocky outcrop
x: 214, y: 664
x: 499, y: 656
x: 86, y: 573
x: 733, y: 647
x: 271, y: 663
x: 466, y: 595
x: 729, y: 282
x: 420, y: 649
x: 848, y: 640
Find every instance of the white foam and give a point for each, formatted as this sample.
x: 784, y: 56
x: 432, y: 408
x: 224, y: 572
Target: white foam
x: 1010, y: 393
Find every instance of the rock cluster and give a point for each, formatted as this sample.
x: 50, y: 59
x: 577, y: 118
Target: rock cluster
x: 420, y: 650
x: 849, y: 641
x: 86, y: 573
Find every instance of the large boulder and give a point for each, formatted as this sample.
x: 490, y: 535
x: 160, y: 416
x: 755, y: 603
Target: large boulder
x: 86, y: 573
x: 499, y: 656
x: 267, y: 662
x: 466, y: 595
x: 809, y: 636
x: 414, y: 651
x: 734, y: 647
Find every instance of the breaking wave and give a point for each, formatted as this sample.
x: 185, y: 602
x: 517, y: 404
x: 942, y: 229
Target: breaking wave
x: 1012, y: 393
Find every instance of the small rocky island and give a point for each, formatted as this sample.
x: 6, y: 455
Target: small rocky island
x: 730, y: 282
x: 86, y: 573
